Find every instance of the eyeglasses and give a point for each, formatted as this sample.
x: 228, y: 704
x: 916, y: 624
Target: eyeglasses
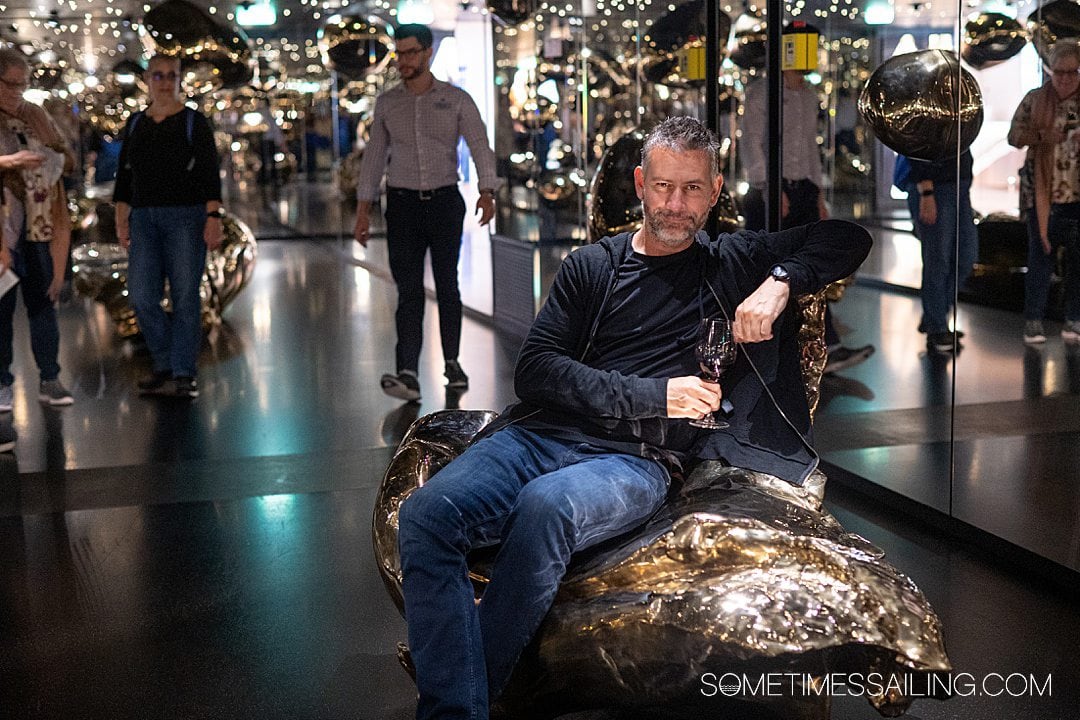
x: 159, y: 76
x: 1065, y: 73
x: 19, y: 85
x: 409, y: 53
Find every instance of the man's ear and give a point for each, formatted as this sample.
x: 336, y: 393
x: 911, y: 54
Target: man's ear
x: 718, y: 184
x: 639, y: 182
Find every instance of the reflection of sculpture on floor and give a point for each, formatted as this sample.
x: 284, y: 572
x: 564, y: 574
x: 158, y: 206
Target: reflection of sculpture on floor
x: 100, y: 273
x: 607, y: 378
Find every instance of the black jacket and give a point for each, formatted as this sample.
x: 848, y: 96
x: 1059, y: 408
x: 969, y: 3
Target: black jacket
x: 554, y: 379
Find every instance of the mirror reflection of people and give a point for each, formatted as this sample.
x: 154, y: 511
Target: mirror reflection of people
x: 36, y: 228
x: 802, y: 200
x: 1045, y: 123
x: 168, y: 214
x: 607, y: 379
x: 939, y: 199
x: 413, y: 139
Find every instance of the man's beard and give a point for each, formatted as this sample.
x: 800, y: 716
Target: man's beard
x: 673, y: 230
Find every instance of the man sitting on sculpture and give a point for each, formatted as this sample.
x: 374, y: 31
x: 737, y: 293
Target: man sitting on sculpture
x: 608, y: 381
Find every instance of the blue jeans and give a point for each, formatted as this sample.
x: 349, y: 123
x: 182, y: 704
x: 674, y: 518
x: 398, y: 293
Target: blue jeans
x: 167, y: 243
x: 543, y: 499
x: 1064, y: 228
x: 947, y: 259
x: 32, y: 262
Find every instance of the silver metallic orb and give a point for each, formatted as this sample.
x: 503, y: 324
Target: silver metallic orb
x: 211, y: 56
x: 923, y: 105
x: 991, y: 38
x: 1055, y: 20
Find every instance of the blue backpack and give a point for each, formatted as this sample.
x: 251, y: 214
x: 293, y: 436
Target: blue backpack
x: 901, y: 172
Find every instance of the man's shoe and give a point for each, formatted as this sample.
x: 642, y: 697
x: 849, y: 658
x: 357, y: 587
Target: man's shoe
x: 941, y: 342
x: 186, y: 387
x: 455, y: 376
x: 1033, y: 332
x: 154, y: 383
x: 8, y: 436
x: 52, y: 392
x: 1070, y: 332
x: 403, y: 386
x: 7, y: 398
x: 842, y: 358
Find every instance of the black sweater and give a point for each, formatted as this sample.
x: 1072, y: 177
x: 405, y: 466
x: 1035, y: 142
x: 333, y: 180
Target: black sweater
x: 159, y: 167
x: 581, y: 383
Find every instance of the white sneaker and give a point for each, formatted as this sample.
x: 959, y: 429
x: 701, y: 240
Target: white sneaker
x: 52, y: 392
x: 7, y: 398
x: 1070, y: 331
x: 1033, y: 332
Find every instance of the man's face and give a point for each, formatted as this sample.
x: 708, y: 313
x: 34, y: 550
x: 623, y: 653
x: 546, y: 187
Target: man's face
x: 676, y: 194
x: 412, y: 59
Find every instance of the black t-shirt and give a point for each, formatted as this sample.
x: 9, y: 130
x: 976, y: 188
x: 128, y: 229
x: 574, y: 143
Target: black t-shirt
x: 161, y: 167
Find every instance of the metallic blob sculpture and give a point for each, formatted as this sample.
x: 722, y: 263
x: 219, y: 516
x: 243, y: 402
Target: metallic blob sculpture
x: 356, y: 47
x: 99, y: 266
x: 615, y: 206
x: 923, y: 105
x: 512, y: 12
x: 739, y: 573
x: 991, y: 38
x: 674, y: 38
x: 1055, y: 20
x: 212, y: 56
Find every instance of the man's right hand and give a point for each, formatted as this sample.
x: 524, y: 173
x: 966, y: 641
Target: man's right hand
x: 691, y: 397
x: 363, y: 224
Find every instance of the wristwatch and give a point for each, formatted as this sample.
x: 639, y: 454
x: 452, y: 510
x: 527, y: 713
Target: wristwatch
x: 780, y: 274
x: 219, y: 213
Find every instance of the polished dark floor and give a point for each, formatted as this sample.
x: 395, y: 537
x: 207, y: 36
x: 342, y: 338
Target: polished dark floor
x: 212, y: 559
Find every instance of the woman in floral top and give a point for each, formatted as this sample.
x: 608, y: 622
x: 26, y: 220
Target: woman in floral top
x: 1046, y: 123
x: 36, y: 227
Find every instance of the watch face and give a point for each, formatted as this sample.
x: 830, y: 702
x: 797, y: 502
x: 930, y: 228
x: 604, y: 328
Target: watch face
x: 779, y: 273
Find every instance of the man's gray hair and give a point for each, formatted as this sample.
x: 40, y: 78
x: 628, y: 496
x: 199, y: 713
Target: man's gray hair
x: 683, y: 134
x: 1065, y: 47
x: 10, y: 57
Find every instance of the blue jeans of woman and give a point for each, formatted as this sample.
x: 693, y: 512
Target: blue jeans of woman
x: 1064, y: 229
x: 543, y: 499
x: 167, y: 244
x: 947, y: 257
x: 32, y: 262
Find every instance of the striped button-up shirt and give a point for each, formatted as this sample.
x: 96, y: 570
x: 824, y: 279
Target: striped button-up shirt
x: 414, y: 139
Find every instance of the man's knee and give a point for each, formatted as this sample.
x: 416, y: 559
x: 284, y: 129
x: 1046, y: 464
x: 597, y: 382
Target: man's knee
x: 427, y: 512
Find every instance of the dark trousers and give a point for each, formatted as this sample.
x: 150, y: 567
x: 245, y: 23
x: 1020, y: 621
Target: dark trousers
x: 415, y: 226
x: 33, y: 264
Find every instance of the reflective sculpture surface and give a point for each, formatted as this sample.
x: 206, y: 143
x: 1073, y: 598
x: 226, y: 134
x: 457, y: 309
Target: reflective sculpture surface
x: 211, y: 55
x: 991, y: 38
x: 356, y: 46
x: 923, y: 105
x: 1054, y: 20
x: 739, y: 572
x: 99, y: 267
x: 512, y: 12
x: 675, y: 34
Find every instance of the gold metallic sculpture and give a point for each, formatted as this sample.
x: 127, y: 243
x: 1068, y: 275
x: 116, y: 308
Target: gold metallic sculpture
x: 923, y: 105
x: 212, y: 56
x: 512, y: 12
x: 739, y: 572
x: 675, y: 43
x: 1055, y: 20
x: 355, y: 46
x: 991, y: 38
x: 99, y: 266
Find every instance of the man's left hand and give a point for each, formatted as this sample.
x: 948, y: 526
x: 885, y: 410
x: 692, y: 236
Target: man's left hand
x: 756, y: 314
x: 485, y: 206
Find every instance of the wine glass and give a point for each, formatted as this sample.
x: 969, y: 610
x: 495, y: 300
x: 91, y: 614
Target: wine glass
x: 715, y: 352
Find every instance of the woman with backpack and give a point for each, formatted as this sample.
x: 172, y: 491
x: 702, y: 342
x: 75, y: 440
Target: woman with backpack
x: 168, y: 214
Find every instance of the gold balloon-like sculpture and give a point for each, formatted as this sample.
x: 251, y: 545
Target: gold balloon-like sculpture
x: 99, y: 266
x: 923, y: 105
x: 212, y: 56
x: 356, y: 46
x: 1053, y: 21
x: 991, y: 38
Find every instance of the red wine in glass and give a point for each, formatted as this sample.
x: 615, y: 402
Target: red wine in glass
x: 715, y: 353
